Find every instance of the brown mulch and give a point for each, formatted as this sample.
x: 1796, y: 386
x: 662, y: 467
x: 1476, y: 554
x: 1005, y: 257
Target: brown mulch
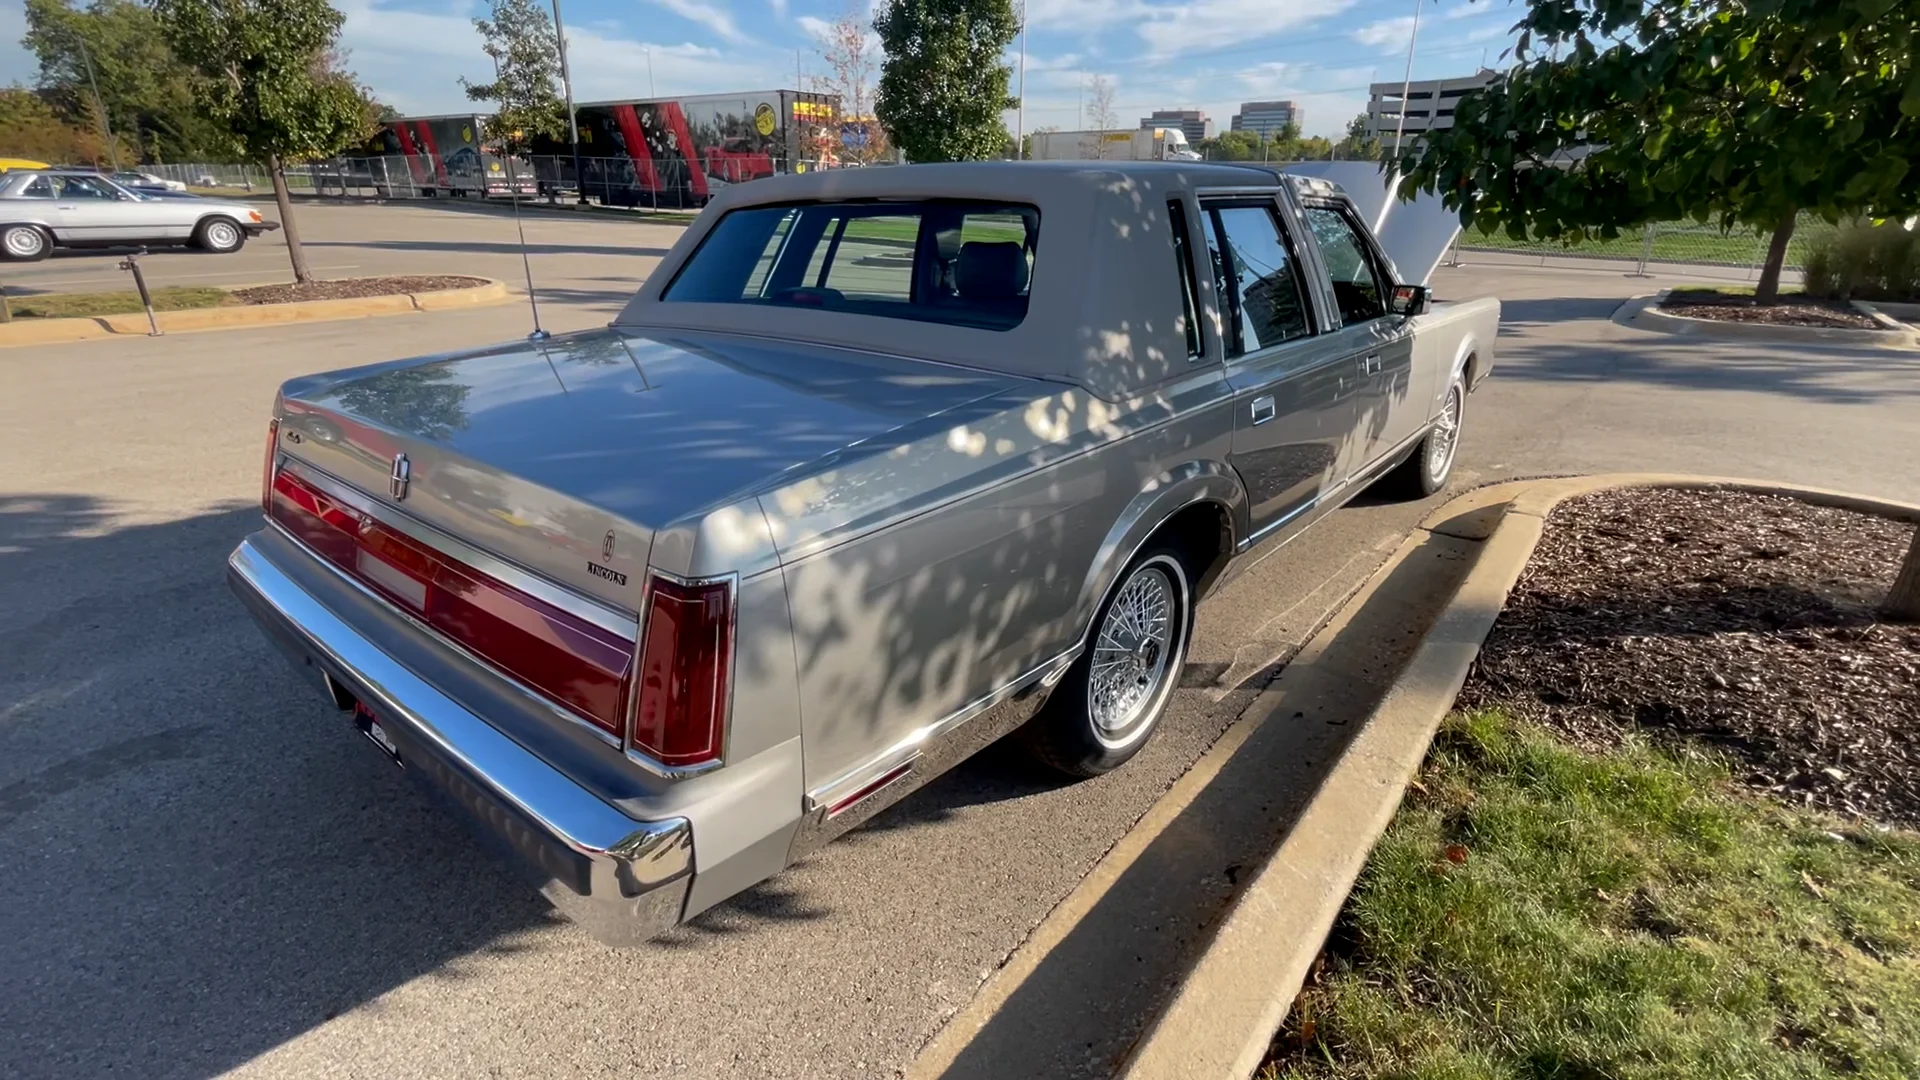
x: 1789, y: 310
x: 1748, y: 622
x: 349, y: 288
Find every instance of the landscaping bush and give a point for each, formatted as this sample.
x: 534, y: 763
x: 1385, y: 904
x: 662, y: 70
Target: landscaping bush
x: 1866, y: 262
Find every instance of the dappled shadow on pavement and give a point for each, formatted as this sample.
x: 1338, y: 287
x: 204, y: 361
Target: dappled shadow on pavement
x: 1824, y: 374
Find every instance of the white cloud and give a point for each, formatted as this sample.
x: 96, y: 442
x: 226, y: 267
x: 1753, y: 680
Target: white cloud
x: 712, y: 16
x: 1471, y: 9
x: 1172, y: 29
x: 779, y: 7
x: 413, y: 60
x: 1083, y: 15
x: 1390, y: 35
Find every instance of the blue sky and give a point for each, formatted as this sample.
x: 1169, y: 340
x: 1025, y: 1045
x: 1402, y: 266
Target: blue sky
x: 1210, y: 54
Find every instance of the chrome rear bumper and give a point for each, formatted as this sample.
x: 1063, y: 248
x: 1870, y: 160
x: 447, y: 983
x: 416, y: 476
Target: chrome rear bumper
x: 624, y: 880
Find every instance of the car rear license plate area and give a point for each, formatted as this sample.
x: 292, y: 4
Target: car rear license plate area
x: 369, y: 725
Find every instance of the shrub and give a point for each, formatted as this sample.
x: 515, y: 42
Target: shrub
x: 1866, y: 262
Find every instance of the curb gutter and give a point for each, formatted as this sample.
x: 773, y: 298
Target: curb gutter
x: 1645, y: 313
x: 1223, y: 1018
x: 58, y: 331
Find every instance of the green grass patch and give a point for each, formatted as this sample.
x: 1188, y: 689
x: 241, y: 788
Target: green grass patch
x: 1676, y: 242
x: 88, y: 305
x: 1537, y: 911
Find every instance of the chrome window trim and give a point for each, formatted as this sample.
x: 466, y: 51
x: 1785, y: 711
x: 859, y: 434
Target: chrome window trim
x: 642, y: 758
x: 606, y: 617
x: 909, y: 747
x: 543, y: 701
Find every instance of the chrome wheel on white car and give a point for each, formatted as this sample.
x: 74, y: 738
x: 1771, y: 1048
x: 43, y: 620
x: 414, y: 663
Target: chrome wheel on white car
x: 1113, y: 696
x: 219, y: 235
x: 25, y: 243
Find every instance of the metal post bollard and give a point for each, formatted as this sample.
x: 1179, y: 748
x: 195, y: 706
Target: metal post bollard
x: 131, y: 264
x: 1646, y: 253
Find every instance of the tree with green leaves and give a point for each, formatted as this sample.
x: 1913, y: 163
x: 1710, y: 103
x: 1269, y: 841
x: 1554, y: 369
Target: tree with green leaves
x: 32, y: 128
x: 145, y: 96
x: 1745, y: 113
x: 525, y: 51
x: 268, y: 73
x: 943, y: 86
x: 1360, y: 144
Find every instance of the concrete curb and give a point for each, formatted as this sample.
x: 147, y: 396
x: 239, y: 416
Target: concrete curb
x: 59, y: 331
x: 1223, y: 1018
x: 1645, y: 313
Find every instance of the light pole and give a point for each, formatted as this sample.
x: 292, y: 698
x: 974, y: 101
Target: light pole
x: 1406, y: 86
x: 1020, y: 111
x: 106, y: 126
x: 573, y: 125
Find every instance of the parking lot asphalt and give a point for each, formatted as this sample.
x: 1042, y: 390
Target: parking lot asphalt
x: 209, y: 872
x: 578, y: 261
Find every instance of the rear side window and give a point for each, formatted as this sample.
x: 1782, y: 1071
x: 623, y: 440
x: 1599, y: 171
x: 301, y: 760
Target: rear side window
x: 38, y: 188
x: 965, y: 263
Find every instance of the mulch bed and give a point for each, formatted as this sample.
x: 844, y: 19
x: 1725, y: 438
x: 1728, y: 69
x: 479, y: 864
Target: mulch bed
x: 1791, y: 310
x: 350, y: 288
x: 1746, y: 621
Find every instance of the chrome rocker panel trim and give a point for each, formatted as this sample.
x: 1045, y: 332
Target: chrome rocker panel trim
x: 624, y: 880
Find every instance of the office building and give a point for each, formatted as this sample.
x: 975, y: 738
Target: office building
x: 1266, y: 118
x: 1429, y: 105
x: 1192, y: 123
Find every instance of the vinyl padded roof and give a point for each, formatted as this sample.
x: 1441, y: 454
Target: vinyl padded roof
x: 1104, y: 305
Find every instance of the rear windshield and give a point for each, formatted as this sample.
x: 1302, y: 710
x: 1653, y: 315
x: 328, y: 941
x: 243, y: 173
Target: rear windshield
x: 966, y: 263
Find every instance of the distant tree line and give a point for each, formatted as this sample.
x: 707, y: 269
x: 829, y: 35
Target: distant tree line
x: 113, y: 88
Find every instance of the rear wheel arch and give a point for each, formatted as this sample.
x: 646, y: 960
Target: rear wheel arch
x: 1196, y: 499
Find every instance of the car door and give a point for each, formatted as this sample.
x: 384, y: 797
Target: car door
x: 89, y: 210
x: 1386, y: 412
x: 1293, y: 402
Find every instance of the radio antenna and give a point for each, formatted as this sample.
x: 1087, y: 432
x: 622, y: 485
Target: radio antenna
x: 526, y: 264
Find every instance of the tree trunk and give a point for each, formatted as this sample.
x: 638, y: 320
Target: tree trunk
x: 1903, y: 601
x: 301, y: 275
x: 1768, y: 289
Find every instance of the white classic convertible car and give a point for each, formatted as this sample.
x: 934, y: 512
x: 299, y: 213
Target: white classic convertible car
x: 879, y: 466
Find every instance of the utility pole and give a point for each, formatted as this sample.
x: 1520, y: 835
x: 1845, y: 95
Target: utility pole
x: 651, y: 92
x: 1020, y: 113
x: 106, y: 126
x: 573, y: 125
x: 1406, y: 85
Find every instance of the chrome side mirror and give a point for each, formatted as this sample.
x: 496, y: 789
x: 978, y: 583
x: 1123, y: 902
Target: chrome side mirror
x: 1410, y: 300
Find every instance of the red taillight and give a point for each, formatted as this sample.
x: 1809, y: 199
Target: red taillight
x: 685, y: 668
x: 574, y: 662
x: 266, y: 470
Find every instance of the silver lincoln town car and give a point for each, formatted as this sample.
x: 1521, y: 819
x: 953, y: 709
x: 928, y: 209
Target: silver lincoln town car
x: 879, y: 466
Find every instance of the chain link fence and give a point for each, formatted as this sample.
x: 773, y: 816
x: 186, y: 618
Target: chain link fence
x: 659, y: 184
x: 1680, y: 242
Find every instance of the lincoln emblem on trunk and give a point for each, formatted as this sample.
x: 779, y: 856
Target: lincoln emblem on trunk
x: 606, y: 546
x: 397, y: 479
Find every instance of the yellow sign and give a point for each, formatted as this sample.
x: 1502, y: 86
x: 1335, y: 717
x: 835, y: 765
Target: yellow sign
x: 813, y: 110
x: 466, y: 134
x: 764, y: 119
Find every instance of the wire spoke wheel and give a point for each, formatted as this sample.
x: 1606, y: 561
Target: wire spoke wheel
x: 1445, y: 437
x: 1132, y: 651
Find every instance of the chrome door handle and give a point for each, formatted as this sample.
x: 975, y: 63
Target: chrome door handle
x: 1262, y: 409
x: 1370, y: 365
